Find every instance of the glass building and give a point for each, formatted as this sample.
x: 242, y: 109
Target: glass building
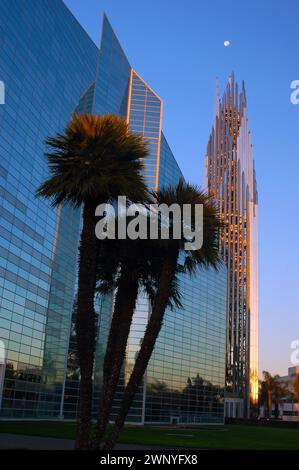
x: 47, y: 61
x: 230, y: 178
x: 51, y: 68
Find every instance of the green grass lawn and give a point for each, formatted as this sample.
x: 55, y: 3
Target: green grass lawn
x: 218, y: 437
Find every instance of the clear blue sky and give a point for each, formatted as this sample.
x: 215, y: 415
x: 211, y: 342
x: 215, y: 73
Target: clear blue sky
x: 177, y: 47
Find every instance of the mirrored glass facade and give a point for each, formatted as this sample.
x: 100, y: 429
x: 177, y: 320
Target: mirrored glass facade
x: 231, y: 180
x: 185, y: 376
x: 46, y: 62
x: 51, y: 68
x: 145, y: 118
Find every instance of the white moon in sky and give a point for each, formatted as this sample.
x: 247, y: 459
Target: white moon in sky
x: 226, y: 43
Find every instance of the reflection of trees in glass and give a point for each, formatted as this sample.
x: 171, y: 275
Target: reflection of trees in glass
x: 71, y: 396
x: 14, y: 388
x: 9, y: 384
x: 203, y: 393
x: 73, y: 369
x: 198, y: 398
x: 158, y: 387
x: 49, y: 368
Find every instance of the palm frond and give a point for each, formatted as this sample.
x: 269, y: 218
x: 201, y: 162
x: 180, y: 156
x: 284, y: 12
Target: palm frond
x: 97, y: 157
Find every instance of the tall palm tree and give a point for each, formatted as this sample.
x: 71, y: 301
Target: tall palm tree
x: 208, y: 255
x: 128, y: 267
x: 267, y: 387
x: 96, y: 159
x: 273, y: 392
x: 118, y: 272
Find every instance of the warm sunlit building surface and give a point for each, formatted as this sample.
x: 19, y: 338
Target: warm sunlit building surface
x: 230, y: 178
x: 52, y: 68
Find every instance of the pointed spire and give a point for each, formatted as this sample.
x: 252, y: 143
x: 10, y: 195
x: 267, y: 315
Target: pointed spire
x: 216, y: 101
x: 244, y: 92
x: 230, y: 84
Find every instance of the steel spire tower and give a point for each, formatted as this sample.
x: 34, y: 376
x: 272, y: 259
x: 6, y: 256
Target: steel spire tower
x: 230, y: 179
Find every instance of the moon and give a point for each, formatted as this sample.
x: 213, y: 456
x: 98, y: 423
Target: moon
x: 226, y: 43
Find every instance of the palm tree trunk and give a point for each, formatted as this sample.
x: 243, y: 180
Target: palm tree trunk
x: 152, y: 331
x: 125, y: 303
x: 269, y: 402
x: 85, y: 320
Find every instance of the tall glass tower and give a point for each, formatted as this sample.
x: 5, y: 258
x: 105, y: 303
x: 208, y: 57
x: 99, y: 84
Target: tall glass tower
x: 230, y: 178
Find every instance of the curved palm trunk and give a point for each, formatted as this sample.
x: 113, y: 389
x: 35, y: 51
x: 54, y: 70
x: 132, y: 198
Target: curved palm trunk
x: 152, y: 330
x: 125, y: 303
x: 85, y: 320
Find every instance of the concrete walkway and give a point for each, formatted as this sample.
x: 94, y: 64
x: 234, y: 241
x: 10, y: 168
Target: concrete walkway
x: 19, y: 441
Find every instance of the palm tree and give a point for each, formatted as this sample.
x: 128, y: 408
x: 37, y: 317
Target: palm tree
x: 128, y: 267
x: 117, y: 271
x: 96, y: 159
x: 273, y: 391
x: 208, y: 255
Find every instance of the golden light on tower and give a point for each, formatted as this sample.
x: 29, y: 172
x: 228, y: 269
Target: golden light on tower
x: 230, y: 179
